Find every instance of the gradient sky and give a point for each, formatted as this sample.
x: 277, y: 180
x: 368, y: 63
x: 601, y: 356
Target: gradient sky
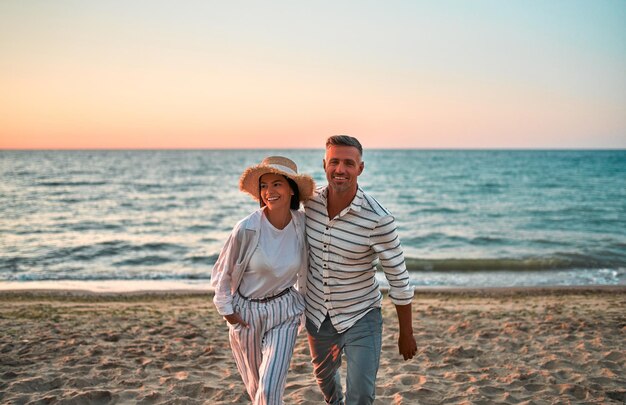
x: 287, y: 74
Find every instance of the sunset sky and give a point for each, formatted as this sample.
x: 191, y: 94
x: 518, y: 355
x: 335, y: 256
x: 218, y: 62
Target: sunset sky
x: 287, y: 74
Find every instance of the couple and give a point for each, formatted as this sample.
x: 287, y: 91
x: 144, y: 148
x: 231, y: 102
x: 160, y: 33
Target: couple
x: 329, y: 255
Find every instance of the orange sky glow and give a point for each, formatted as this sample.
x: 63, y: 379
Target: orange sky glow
x: 155, y: 75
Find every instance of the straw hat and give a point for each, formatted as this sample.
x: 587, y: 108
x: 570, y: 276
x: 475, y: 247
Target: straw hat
x: 249, y: 181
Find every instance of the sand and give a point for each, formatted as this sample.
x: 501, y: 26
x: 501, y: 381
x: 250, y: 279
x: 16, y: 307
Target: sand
x: 532, y: 346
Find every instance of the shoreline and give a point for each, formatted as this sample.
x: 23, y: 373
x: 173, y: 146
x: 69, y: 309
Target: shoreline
x: 419, y: 280
x: 67, y: 290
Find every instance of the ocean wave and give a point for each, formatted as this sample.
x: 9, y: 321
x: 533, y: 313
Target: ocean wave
x: 152, y: 260
x: 207, y: 260
x: 90, y: 253
x: 34, y: 231
x: 564, y: 261
x: 122, y: 254
x: 106, y: 277
x: 69, y: 200
x: 200, y: 228
x: 448, y: 239
x: 94, y: 226
x: 487, y: 240
x: 492, y: 186
x: 147, y: 187
x: 71, y: 183
x: 436, y: 210
x: 158, y: 246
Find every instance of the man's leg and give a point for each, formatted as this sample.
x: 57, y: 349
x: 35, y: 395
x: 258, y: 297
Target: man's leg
x: 326, y: 348
x: 362, y: 348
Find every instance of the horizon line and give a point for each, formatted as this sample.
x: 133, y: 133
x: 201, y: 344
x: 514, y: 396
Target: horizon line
x: 312, y: 149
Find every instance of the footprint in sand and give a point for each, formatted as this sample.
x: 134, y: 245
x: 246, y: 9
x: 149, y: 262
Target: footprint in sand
x: 9, y: 375
x: 79, y: 383
x: 421, y: 395
x: 556, y: 365
x: 95, y: 397
x: 304, y: 396
x: 491, y: 391
x: 458, y: 377
x: 36, y: 384
x: 568, y: 375
x: 614, y: 356
x: 409, y: 380
x: 617, y: 395
x: 149, y: 398
x: 534, y: 387
x: 575, y: 390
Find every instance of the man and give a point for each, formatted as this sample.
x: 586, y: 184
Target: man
x: 348, y: 231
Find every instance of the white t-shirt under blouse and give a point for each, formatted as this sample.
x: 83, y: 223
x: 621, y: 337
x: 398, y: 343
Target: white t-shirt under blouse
x: 274, y: 264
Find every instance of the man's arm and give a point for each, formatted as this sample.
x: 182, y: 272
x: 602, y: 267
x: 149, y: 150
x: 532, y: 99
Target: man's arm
x: 387, y: 244
x: 406, y: 341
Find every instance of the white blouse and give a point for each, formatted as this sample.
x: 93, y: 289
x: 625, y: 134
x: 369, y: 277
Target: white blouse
x: 275, y: 262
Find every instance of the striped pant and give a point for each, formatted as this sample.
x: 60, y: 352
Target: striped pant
x: 263, y: 351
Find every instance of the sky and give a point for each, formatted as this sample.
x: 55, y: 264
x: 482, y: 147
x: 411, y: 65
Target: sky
x: 288, y: 74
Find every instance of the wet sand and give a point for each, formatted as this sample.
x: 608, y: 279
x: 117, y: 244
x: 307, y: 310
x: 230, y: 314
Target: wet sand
x: 522, y: 346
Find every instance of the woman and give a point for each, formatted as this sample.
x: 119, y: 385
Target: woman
x: 255, y: 274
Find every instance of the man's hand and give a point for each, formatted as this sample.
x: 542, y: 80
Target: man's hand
x: 407, y: 345
x: 406, y: 342
x: 235, y: 319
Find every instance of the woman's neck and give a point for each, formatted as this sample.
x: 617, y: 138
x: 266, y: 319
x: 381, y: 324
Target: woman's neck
x: 278, y: 218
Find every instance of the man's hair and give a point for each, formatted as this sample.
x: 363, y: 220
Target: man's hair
x: 344, y: 140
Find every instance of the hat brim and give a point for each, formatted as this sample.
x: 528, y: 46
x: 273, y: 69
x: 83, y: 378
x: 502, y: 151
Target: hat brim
x: 249, y: 181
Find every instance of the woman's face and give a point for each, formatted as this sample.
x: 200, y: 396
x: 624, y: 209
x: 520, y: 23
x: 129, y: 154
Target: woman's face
x: 275, y: 191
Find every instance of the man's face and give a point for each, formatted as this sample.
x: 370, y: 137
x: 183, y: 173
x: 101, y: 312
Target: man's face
x: 342, y: 165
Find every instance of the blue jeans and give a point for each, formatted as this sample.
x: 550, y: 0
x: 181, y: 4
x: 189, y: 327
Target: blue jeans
x: 361, y: 345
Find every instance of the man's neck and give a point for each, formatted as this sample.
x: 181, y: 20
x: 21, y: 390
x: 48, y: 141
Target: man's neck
x: 338, y: 201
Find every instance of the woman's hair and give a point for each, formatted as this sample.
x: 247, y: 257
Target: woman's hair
x: 295, y: 198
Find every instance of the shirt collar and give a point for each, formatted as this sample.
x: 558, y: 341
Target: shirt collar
x: 254, y: 220
x: 355, y: 205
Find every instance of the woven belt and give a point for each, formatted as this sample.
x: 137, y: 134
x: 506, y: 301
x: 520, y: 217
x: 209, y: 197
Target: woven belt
x: 267, y: 299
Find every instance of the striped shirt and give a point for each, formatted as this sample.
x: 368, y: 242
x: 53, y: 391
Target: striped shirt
x: 343, y: 253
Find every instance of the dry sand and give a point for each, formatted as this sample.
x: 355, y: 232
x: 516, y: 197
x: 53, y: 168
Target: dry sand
x: 474, y: 347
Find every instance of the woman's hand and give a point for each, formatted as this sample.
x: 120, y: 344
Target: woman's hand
x: 235, y: 319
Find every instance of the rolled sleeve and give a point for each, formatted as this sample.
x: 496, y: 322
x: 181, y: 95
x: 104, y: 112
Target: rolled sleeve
x: 386, y: 243
x: 222, y: 273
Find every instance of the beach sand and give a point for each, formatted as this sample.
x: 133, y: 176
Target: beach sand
x: 530, y: 346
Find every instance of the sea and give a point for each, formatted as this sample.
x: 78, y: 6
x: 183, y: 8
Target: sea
x: 157, y: 219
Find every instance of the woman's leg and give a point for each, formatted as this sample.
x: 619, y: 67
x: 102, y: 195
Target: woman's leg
x: 277, y: 352
x: 283, y: 320
x: 246, y: 344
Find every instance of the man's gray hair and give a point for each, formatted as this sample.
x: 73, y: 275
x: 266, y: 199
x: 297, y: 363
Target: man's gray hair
x: 344, y: 140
